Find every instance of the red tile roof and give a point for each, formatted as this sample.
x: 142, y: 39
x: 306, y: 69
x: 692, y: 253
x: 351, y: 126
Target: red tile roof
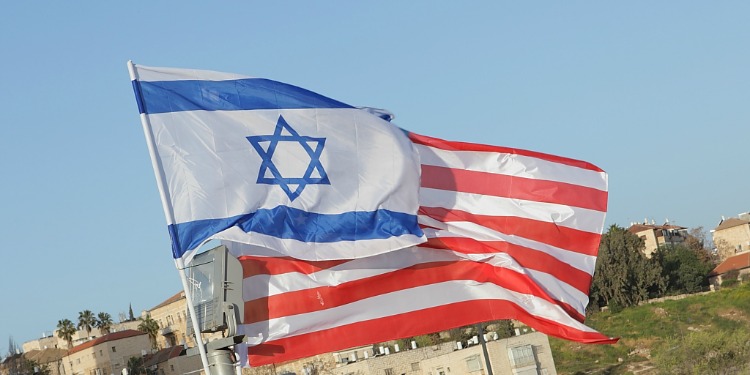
x: 109, y: 337
x: 735, y: 262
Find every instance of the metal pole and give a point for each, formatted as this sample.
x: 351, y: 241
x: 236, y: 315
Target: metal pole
x: 480, y: 329
x: 148, y: 132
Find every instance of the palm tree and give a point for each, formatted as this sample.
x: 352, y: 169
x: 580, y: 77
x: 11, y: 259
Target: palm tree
x: 86, y: 321
x: 103, y: 322
x: 151, y: 327
x: 66, y: 330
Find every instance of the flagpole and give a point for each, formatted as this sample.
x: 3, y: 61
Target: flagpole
x: 179, y: 262
x: 480, y: 329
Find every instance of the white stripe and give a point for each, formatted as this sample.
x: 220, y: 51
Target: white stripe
x: 400, y: 302
x: 566, y: 216
x: 512, y: 165
x: 583, y: 262
x: 316, y: 251
x: 149, y: 73
x: 211, y: 168
x: 359, y: 269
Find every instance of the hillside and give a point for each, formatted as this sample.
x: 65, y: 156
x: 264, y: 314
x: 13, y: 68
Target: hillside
x: 699, y: 334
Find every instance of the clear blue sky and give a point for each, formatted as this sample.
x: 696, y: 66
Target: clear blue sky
x: 655, y: 94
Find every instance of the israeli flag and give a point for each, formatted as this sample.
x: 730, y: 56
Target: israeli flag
x: 268, y: 164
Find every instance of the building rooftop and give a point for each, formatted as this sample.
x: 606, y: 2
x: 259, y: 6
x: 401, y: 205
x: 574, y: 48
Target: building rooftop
x: 735, y: 262
x: 45, y: 355
x: 163, y: 355
x: 180, y: 295
x: 637, y: 228
x: 730, y: 223
x: 109, y: 337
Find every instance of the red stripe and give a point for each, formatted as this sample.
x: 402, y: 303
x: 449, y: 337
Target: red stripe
x: 411, y: 324
x: 500, y: 185
x: 253, y: 265
x: 526, y: 257
x: 462, y: 146
x: 540, y: 231
x: 322, y: 298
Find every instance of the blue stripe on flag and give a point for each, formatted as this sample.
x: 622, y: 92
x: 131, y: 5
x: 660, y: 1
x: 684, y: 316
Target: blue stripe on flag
x: 291, y: 223
x: 231, y: 95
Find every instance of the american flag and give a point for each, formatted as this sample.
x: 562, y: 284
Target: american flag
x: 512, y: 234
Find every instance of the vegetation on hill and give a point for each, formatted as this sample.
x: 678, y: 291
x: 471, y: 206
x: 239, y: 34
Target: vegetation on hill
x: 700, y: 334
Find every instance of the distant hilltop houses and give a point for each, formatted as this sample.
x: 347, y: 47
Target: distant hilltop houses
x: 731, y: 236
x: 731, y: 244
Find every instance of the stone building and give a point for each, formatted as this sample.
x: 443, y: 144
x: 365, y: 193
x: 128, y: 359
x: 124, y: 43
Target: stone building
x: 52, y: 341
x: 655, y: 236
x: 739, y: 263
x: 106, y: 355
x: 52, y: 358
x: 732, y: 235
x: 172, y: 318
x: 518, y: 355
x: 169, y: 361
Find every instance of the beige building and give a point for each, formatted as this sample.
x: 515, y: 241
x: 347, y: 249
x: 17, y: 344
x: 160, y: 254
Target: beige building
x: 106, y: 355
x: 732, y: 236
x: 53, y: 341
x: 738, y: 263
x: 169, y: 362
x: 172, y: 318
x: 52, y: 359
x: 655, y: 236
x: 519, y: 355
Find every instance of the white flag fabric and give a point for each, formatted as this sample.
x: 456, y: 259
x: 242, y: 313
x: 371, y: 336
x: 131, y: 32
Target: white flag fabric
x: 512, y: 234
x: 261, y: 162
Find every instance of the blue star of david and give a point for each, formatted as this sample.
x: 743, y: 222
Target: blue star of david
x: 312, y: 146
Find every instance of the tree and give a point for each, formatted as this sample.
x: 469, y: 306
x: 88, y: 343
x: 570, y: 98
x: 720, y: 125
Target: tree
x: 504, y: 328
x: 130, y: 313
x: 86, y: 321
x: 104, y: 322
x: 65, y: 331
x: 150, y: 327
x: 623, y: 276
x: 683, y: 270
x: 135, y: 366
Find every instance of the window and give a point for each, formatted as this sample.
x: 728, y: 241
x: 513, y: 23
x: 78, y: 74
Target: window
x: 114, y: 350
x: 522, y: 356
x: 415, y: 366
x: 171, y: 368
x: 389, y: 371
x: 100, y: 352
x: 473, y: 363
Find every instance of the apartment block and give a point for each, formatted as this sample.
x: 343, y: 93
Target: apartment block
x: 106, y: 355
